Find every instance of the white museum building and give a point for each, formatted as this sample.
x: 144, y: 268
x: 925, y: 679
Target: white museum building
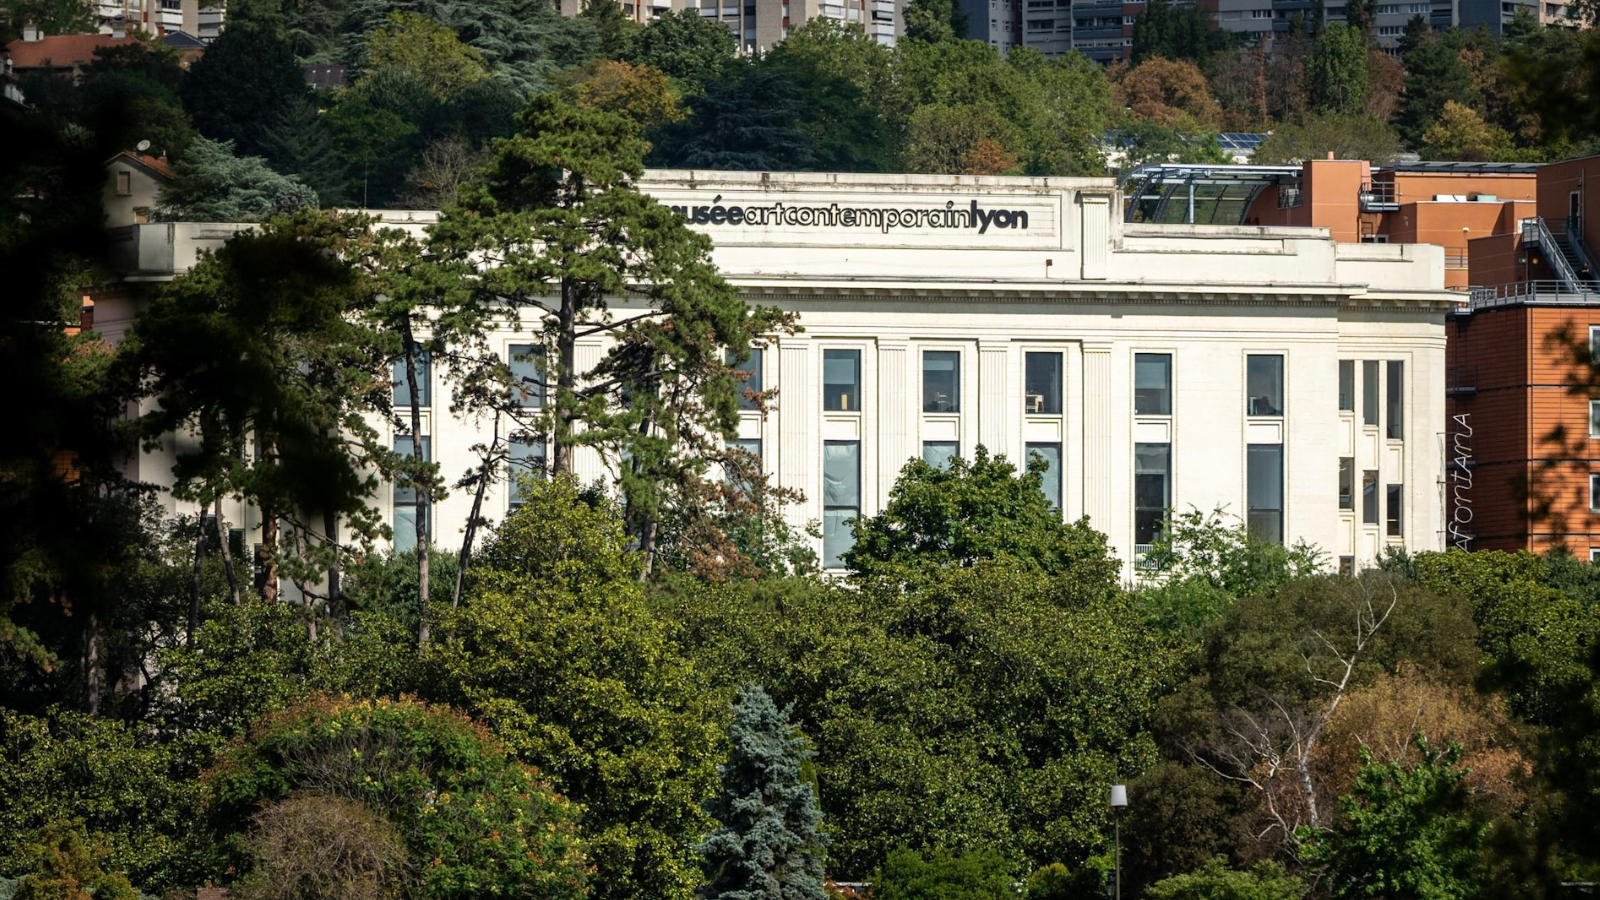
x: 1296, y: 382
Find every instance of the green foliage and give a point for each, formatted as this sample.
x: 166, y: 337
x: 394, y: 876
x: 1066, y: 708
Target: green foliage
x: 136, y: 794
x: 1182, y: 816
x: 1336, y: 74
x: 51, y: 16
x: 933, y: 21
x: 476, y: 821
x: 1176, y: 32
x: 614, y: 30
x: 685, y: 45
x: 1267, y: 881
x: 213, y: 185
x: 428, y: 50
x: 770, y: 845
x: 1407, y: 833
x: 1057, y: 882
x: 967, y: 514
x: 938, y: 874
x: 985, y: 708
x: 1148, y: 141
x: 1314, y: 137
x: 558, y: 653
x: 129, y: 94
x: 749, y: 121
x: 66, y: 866
x: 1435, y: 75
x: 1202, y: 561
x: 247, y: 78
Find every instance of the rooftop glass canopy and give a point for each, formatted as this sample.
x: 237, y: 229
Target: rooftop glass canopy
x: 1183, y: 194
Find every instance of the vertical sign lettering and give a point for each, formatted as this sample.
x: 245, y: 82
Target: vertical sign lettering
x: 1460, y: 468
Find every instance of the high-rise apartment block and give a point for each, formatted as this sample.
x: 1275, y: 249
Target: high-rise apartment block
x: 760, y: 24
x: 161, y: 17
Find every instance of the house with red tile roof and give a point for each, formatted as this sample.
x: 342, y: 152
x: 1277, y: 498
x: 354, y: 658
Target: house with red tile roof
x: 61, y: 54
x: 133, y: 181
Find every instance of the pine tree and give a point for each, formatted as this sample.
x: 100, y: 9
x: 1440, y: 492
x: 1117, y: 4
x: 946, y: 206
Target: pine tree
x: 769, y: 846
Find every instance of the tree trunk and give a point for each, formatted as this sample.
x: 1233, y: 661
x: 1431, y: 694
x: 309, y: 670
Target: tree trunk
x: 224, y: 537
x: 472, y: 520
x: 423, y: 487
x: 566, y: 380
x: 94, y: 667
x: 307, y: 599
x: 194, y: 589
x: 269, y: 553
x: 330, y: 527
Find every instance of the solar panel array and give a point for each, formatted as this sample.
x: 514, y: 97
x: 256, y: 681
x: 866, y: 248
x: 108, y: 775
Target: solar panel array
x: 1240, y: 141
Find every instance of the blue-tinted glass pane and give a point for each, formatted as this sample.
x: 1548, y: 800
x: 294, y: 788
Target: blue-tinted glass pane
x: 841, y: 473
x: 941, y: 381
x: 405, y: 528
x: 939, y: 453
x: 841, y: 380
x: 402, y: 386
x: 837, y: 536
x: 1152, y: 384
x: 524, y: 459
x: 752, y: 385
x: 1043, y: 386
x: 1264, y: 385
x: 527, y: 374
x: 1051, y: 483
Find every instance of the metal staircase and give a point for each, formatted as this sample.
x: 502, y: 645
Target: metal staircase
x: 1564, y: 250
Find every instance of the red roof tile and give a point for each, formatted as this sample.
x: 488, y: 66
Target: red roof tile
x: 157, y: 164
x: 61, y: 50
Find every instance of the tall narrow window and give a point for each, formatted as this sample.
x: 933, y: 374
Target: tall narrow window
x: 752, y: 384
x: 1594, y: 493
x: 406, y: 506
x: 1397, y: 402
x: 1347, y: 385
x: 939, y: 453
x: 1594, y: 418
x: 1347, y: 482
x: 1050, y: 482
x: 525, y: 458
x: 841, y: 380
x: 1264, y: 491
x: 1369, y: 497
x: 941, y: 381
x: 1393, y: 510
x: 1264, y: 385
x: 1152, y: 491
x: 402, y: 386
x: 841, y: 499
x: 527, y: 374
x: 1043, y: 388
x: 1347, y: 565
x: 735, y: 472
x: 1594, y: 343
x: 1152, y: 384
x: 1369, y: 392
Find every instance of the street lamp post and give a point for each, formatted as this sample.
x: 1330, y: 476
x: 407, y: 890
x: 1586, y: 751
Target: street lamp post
x: 1119, y: 802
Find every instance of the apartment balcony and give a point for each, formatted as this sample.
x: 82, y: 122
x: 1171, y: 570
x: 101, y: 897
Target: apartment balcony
x: 1530, y: 293
x: 1379, y: 196
x: 1097, y: 32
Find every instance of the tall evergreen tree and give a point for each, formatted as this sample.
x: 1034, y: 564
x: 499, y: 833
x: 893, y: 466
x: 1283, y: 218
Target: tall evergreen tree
x: 236, y: 92
x: 1336, y: 74
x: 770, y: 845
x: 1435, y: 75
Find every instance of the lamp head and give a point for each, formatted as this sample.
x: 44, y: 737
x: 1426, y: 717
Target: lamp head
x: 1119, y: 796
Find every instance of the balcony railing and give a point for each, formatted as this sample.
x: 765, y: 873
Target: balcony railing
x: 1543, y: 293
x: 1459, y: 380
x: 1378, y: 196
x: 1455, y: 257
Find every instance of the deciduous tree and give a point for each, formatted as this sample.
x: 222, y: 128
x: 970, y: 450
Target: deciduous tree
x: 1336, y: 74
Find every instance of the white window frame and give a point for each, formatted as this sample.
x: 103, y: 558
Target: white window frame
x: 1594, y: 420
x: 1594, y: 493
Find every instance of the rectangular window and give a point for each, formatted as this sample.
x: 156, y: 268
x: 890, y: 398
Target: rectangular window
x: 1369, y: 392
x: 1369, y: 497
x: 402, y: 386
x: 1347, y: 565
x: 751, y: 385
x: 1393, y: 510
x: 527, y: 374
x: 1043, y: 388
x: 525, y: 458
x: 1347, y: 482
x: 1397, y: 403
x: 841, y: 499
x: 124, y: 184
x: 1347, y: 385
x: 1152, y: 384
x: 406, y: 508
x: 1050, y: 484
x: 939, y: 453
x: 1594, y: 493
x: 941, y: 381
x: 1152, y: 491
x: 1594, y: 418
x: 841, y: 380
x: 1264, y: 385
x: 1594, y: 343
x: 1264, y: 491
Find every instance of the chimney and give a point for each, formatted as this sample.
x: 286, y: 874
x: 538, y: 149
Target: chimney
x: 1330, y: 156
x: 30, y: 33
x: 118, y: 33
x: 86, y: 315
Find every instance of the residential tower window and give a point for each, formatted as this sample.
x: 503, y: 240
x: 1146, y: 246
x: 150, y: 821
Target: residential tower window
x: 1369, y: 392
x: 1347, y: 482
x: 525, y: 458
x: 402, y: 386
x: 1594, y: 493
x: 1264, y: 385
x: 1594, y: 418
x: 1397, y: 403
x: 1264, y: 491
x: 941, y: 381
x: 1594, y: 343
x: 841, y: 380
x: 1393, y: 510
x: 1152, y: 490
x: 1050, y: 482
x: 752, y: 384
x: 527, y: 374
x: 1152, y: 384
x: 406, y: 506
x: 1347, y: 385
x: 841, y: 499
x: 939, y: 453
x: 1369, y: 497
x: 1043, y: 383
